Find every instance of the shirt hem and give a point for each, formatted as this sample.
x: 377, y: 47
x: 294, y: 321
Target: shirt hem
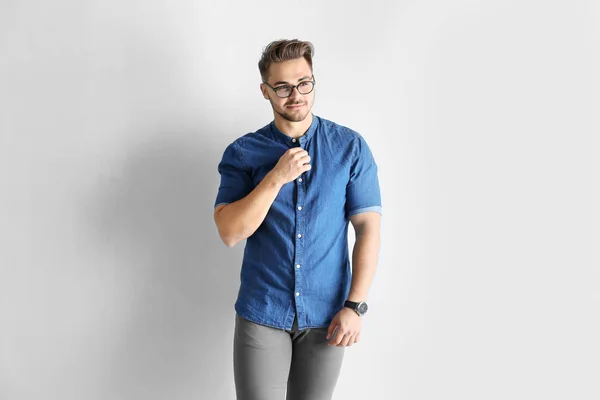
x: 270, y: 325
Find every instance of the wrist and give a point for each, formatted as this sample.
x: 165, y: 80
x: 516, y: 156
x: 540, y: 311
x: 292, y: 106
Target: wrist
x: 356, y: 297
x: 358, y: 307
x: 273, y: 179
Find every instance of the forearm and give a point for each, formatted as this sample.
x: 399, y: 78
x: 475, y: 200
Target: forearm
x: 239, y: 220
x: 365, y: 256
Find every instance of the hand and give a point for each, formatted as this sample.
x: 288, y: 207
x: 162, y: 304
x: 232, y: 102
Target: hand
x: 291, y: 164
x: 348, y: 325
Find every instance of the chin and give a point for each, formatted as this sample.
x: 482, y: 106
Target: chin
x: 295, y: 117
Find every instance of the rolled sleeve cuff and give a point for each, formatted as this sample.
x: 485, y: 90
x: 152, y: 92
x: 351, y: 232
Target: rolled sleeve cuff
x: 376, y: 209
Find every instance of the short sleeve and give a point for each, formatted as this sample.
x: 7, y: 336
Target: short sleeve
x: 362, y: 191
x: 236, y: 182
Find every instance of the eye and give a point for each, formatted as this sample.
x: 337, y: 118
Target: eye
x: 301, y: 84
x: 284, y: 87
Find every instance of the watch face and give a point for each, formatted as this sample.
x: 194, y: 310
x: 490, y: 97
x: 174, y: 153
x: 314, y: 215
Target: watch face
x: 362, y: 308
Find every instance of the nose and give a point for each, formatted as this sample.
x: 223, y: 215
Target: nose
x: 295, y: 93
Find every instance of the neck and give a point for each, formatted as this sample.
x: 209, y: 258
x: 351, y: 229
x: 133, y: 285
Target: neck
x: 293, y: 129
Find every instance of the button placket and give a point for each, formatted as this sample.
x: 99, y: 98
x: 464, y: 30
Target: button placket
x: 299, y: 242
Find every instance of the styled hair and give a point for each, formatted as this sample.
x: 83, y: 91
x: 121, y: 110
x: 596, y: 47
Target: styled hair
x: 284, y: 50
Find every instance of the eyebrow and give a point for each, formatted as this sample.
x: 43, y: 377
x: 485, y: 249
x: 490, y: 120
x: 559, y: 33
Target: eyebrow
x: 287, y: 83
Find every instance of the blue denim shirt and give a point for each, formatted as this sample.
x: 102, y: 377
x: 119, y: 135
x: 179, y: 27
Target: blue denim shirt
x: 297, y: 262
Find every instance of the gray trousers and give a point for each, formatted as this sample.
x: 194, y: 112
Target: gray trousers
x: 268, y: 361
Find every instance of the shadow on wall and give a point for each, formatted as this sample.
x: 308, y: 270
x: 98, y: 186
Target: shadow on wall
x: 155, y: 217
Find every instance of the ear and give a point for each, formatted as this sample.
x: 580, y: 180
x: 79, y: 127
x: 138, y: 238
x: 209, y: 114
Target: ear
x: 263, y: 89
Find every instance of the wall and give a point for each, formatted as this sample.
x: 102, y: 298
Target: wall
x: 114, y: 115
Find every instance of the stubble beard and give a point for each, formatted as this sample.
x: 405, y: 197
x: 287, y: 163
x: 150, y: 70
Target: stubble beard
x: 292, y: 117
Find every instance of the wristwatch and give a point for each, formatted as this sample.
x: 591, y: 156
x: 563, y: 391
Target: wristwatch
x: 360, y: 308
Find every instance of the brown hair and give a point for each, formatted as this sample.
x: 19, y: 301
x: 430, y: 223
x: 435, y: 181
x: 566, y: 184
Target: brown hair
x: 284, y: 50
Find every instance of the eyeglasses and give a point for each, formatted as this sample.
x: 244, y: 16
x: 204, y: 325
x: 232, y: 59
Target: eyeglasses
x: 286, y: 90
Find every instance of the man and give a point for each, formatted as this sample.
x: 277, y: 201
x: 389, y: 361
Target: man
x: 290, y: 189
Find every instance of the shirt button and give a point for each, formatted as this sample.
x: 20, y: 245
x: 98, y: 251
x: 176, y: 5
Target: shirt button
x: 294, y: 140
x: 299, y: 179
x: 299, y: 207
x: 297, y: 294
x: 298, y: 266
x: 299, y: 235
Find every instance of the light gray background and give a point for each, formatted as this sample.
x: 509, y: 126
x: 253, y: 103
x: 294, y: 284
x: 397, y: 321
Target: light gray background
x: 114, y: 115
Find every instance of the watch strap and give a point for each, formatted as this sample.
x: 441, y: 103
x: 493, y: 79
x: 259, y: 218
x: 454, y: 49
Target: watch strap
x: 351, y: 304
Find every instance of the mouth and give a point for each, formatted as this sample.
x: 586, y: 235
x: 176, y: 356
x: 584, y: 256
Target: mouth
x: 295, y: 106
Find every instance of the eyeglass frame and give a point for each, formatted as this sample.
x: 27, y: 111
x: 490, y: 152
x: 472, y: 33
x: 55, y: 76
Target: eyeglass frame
x: 313, y: 81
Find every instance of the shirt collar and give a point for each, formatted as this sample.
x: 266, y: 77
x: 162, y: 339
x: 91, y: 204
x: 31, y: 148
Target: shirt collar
x: 283, y: 138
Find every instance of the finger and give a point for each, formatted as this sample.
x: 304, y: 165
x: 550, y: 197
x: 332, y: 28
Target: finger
x: 344, y: 341
x: 300, y: 156
x: 337, y: 339
x: 302, y: 161
x: 330, y: 330
x: 351, y: 340
x: 294, y: 150
x: 357, y: 338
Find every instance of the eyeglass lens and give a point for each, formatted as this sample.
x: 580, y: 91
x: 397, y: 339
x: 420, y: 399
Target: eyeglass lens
x: 303, y: 88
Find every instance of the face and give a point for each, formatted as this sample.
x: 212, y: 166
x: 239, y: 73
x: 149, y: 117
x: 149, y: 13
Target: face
x: 296, y: 107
